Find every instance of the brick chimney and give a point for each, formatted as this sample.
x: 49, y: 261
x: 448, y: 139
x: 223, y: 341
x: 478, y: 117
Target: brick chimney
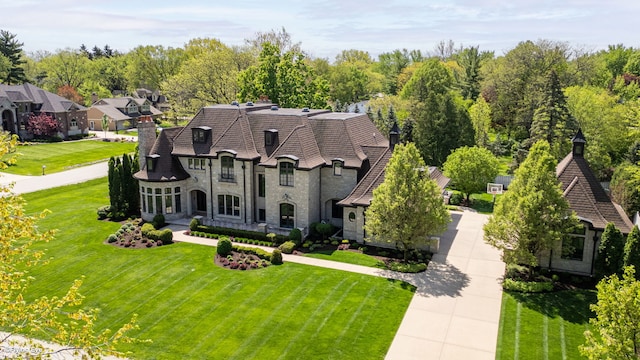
x: 146, y: 138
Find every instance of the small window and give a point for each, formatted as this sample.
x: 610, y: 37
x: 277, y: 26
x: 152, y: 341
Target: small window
x: 261, y: 185
x: 226, y: 169
x: 286, y: 174
x: 200, y: 134
x: 262, y: 215
x: 352, y: 216
x: 151, y: 161
x: 74, y: 122
x: 573, y: 248
x: 337, y: 168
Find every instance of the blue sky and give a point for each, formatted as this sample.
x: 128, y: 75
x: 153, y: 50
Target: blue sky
x: 324, y: 27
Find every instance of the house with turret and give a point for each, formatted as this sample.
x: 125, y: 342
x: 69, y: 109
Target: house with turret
x: 261, y: 167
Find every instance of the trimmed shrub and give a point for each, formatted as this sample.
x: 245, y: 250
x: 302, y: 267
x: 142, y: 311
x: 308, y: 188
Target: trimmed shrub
x: 407, y: 268
x: 224, y: 247
x: 276, y: 257
x: 103, y: 212
x: 287, y: 247
x: 147, y: 228
x: 456, y: 199
x: 324, y: 229
x: 166, y: 236
x: 193, y: 225
x: 158, y: 221
x: 527, y: 286
x: 255, y: 235
x: 112, y: 238
x: 295, y: 235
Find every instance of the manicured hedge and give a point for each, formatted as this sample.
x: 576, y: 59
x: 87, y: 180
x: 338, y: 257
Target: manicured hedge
x: 287, y: 247
x: 255, y: 235
x: 262, y: 254
x: 527, y: 286
x: 166, y: 235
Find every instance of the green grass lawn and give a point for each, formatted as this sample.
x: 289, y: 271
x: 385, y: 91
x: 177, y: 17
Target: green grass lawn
x: 543, y: 326
x: 482, y: 202
x: 65, y: 155
x: 349, y: 257
x: 192, y: 309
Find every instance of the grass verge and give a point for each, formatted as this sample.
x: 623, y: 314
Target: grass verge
x: 544, y: 325
x: 192, y: 309
x: 65, y: 155
x: 348, y: 257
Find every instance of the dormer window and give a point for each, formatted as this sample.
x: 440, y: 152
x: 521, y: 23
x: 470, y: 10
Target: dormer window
x: 200, y: 134
x: 146, y: 108
x: 270, y: 137
x: 337, y: 167
x: 132, y: 108
x: 152, y: 162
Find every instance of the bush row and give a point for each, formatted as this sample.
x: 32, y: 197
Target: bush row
x: 254, y: 235
x: 166, y: 235
x: 407, y: 268
x: 237, y: 239
x: 527, y: 286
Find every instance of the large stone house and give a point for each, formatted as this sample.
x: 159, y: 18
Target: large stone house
x: 258, y: 166
x: 593, y: 206
x: 121, y: 112
x: 18, y: 102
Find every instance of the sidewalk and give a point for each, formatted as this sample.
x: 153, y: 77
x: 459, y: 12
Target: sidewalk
x: 455, y: 311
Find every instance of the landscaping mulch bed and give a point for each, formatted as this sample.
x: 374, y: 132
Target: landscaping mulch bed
x: 134, y: 240
x: 241, y: 261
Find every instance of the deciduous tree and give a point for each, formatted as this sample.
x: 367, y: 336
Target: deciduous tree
x: 407, y: 207
x: 615, y: 331
x: 480, y: 115
x: 532, y: 215
x: 471, y: 168
x: 42, y: 125
x: 54, y: 318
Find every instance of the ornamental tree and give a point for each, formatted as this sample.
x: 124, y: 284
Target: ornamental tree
x: 42, y: 125
x: 610, y: 258
x: 407, y: 207
x: 25, y: 316
x: 615, y: 331
x: 471, y: 168
x: 532, y: 215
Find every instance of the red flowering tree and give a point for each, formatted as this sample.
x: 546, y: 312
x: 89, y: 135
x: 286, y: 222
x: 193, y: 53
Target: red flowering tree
x: 70, y: 93
x: 42, y: 125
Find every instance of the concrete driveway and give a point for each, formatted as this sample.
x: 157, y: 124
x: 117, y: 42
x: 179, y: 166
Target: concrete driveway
x: 456, y: 310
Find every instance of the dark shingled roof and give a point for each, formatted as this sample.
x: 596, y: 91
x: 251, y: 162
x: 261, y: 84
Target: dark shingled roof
x: 51, y: 103
x: 363, y: 192
x: 314, y: 136
x: 167, y: 169
x: 586, y: 196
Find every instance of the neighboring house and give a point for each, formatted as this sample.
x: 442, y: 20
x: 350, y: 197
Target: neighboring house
x: 121, y: 112
x: 257, y: 166
x: 594, y: 208
x: 158, y: 100
x: 18, y: 102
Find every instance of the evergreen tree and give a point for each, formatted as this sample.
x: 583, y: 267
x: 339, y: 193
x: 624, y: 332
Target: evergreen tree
x: 610, y: 258
x: 552, y: 120
x: 533, y: 215
x: 406, y: 132
x: 632, y: 250
x: 407, y: 207
x: 391, y: 117
x: 12, y: 49
x: 126, y: 183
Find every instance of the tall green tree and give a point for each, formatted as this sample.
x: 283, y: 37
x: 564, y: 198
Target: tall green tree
x: 632, y: 250
x: 470, y: 61
x: 625, y: 187
x: 442, y: 122
x: 11, y: 49
x: 407, y: 207
x: 610, y: 258
x: 615, y: 331
x: 391, y: 65
x: 480, y: 115
x: 532, y: 215
x: 470, y: 169
x: 65, y: 67
x: 552, y: 120
x: 286, y: 79
x: 148, y: 66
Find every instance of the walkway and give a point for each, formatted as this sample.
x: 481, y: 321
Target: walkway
x: 456, y: 309
x: 24, y: 184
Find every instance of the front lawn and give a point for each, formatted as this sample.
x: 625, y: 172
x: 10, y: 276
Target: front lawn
x: 192, y: 309
x: 543, y: 325
x: 65, y: 155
